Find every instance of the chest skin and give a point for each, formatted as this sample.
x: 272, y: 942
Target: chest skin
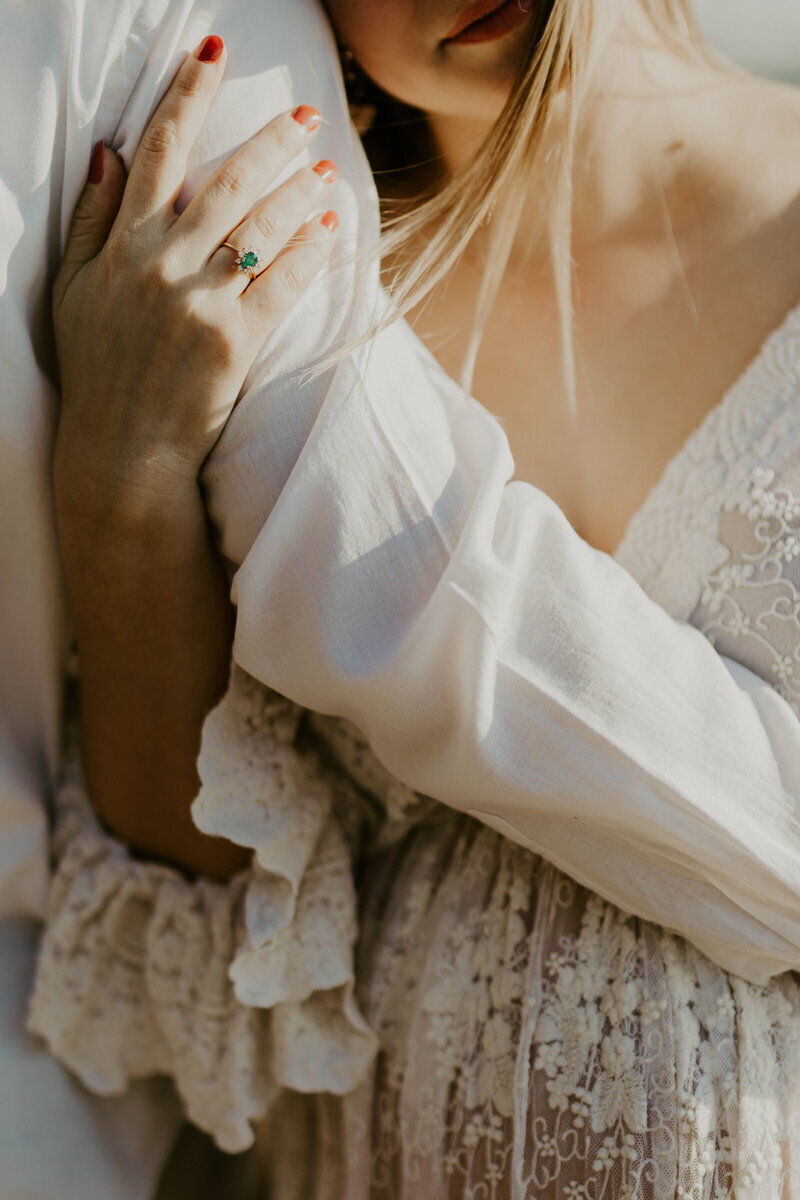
x: 658, y: 343
x: 666, y: 319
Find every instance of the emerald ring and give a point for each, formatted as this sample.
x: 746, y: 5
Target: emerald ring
x: 247, y: 260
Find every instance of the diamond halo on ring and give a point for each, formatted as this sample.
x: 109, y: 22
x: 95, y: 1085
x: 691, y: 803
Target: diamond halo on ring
x: 247, y: 259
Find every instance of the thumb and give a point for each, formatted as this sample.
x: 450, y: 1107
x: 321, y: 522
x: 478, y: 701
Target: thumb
x: 95, y: 212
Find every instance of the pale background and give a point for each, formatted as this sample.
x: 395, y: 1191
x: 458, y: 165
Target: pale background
x: 763, y: 35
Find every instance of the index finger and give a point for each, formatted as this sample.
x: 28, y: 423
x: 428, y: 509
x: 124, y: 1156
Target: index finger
x: 159, y: 166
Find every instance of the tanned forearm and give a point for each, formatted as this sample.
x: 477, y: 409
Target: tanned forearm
x: 149, y: 599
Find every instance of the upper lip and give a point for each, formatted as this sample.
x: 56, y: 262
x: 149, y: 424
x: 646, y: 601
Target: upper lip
x: 472, y: 13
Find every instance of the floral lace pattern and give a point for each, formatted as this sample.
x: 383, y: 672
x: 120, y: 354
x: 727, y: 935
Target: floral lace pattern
x: 535, y: 1042
x: 675, y: 541
x: 132, y: 977
x: 749, y: 608
x: 399, y: 808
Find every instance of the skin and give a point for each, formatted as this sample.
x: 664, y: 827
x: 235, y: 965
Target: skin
x: 687, y: 254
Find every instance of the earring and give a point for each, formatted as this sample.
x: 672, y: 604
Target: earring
x: 351, y: 75
x: 357, y: 86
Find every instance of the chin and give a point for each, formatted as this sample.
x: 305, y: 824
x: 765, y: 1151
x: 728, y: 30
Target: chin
x: 473, y: 94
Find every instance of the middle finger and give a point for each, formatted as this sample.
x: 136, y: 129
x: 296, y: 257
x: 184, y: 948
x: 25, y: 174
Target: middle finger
x: 229, y: 195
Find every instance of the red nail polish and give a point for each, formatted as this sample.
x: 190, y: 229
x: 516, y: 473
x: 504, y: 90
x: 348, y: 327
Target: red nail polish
x: 331, y: 221
x: 310, y: 118
x: 326, y: 170
x: 96, y: 164
x: 210, y: 49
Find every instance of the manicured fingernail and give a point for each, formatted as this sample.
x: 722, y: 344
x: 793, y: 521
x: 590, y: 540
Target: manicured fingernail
x: 310, y: 118
x: 326, y: 170
x: 330, y: 221
x: 210, y: 49
x: 96, y: 164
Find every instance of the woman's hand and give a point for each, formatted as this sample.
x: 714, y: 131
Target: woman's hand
x: 156, y: 328
x: 156, y: 331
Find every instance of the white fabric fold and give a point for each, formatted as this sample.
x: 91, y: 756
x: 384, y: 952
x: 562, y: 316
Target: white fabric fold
x: 495, y: 661
x: 234, y: 990
x: 263, y: 791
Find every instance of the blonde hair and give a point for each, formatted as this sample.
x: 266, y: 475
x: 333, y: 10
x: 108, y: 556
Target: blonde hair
x: 492, y: 188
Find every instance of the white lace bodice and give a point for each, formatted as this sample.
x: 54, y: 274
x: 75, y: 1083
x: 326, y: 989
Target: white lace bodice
x: 680, y: 542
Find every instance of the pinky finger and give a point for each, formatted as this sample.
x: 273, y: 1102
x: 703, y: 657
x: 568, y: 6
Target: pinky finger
x: 273, y: 293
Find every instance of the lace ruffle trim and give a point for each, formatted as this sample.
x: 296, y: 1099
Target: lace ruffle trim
x: 263, y: 792
x: 234, y: 990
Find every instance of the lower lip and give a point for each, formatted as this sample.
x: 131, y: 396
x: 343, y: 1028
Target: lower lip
x: 509, y: 16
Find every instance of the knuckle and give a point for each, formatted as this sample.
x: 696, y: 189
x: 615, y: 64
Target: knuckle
x: 235, y: 179
x: 279, y: 139
x: 84, y: 209
x: 161, y: 140
x: 308, y: 184
x: 291, y: 277
x: 189, y: 85
x: 268, y: 225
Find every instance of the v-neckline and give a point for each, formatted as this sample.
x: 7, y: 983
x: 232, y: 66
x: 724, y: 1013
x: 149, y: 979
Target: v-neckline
x: 689, y: 450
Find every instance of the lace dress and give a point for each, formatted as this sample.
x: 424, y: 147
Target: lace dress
x: 428, y: 1009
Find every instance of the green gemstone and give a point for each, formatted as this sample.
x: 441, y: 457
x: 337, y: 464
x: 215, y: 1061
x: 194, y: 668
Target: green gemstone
x: 249, y: 260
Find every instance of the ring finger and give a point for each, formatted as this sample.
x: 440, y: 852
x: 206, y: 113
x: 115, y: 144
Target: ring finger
x: 242, y: 181
x: 252, y: 246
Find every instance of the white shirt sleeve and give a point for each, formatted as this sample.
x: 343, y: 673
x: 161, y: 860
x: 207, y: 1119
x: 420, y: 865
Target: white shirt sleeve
x: 391, y: 574
x: 498, y: 663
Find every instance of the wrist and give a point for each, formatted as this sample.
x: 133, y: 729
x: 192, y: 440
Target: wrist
x: 137, y: 542
x: 142, y: 500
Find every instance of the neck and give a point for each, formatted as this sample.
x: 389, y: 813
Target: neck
x: 646, y: 144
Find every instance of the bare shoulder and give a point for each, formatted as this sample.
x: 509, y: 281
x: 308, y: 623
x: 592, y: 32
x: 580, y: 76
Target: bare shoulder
x: 765, y: 139
x: 779, y: 117
x: 770, y: 125
x: 749, y: 240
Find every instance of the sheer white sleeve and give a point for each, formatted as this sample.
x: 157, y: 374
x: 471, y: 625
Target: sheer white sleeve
x: 234, y: 990
x: 498, y: 663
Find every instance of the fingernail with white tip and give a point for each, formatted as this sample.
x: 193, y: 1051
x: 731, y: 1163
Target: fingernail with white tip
x: 326, y: 170
x: 310, y: 118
